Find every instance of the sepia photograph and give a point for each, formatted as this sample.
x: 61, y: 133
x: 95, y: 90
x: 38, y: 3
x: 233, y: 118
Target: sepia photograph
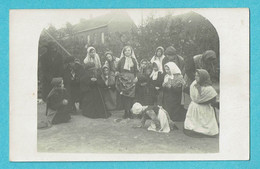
x: 134, y: 81
x: 124, y: 82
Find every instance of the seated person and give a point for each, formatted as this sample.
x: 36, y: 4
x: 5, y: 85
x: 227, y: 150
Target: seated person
x: 161, y: 121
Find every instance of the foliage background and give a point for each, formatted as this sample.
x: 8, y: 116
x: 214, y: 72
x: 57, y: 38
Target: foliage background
x: 189, y: 33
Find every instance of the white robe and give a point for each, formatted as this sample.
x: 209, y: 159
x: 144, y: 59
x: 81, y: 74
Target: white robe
x: 164, y: 122
x: 201, y: 117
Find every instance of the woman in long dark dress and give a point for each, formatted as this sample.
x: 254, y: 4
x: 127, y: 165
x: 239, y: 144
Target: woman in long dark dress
x: 156, y: 80
x: 172, y: 92
x: 144, y: 90
x: 109, y: 91
x: 93, y: 105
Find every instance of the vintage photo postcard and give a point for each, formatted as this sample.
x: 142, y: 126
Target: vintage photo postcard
x: 129, y: 84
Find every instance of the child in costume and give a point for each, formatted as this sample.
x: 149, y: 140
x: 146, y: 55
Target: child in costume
x: 161, y: 121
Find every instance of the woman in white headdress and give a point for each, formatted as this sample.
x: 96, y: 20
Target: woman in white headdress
x: 159, y: 56
x: 92, y: 56
x: 128, y: 69
x: 172, y: 92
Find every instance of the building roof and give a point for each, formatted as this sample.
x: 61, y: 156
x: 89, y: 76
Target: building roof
x: 100, y: 21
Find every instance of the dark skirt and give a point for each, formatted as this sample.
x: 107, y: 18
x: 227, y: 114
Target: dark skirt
x: 93, y: 105
x: 145, y: 95
x: 110, y: 98
x: 62, y: 115
x: 172, y: 103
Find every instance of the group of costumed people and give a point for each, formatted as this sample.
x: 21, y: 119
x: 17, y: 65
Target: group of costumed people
x: 163, y: 89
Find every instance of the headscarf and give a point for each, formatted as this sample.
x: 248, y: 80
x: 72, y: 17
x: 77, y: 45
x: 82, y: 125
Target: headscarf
x: 105, y: 66
x: 128, y: 60
x: 142, y: 70
x: 154, y: 74
x: 174, y: 69
x: 77, y: 61
x: 55, y: 82
x: 159, y: 59
x: 205, y: 91
x: 105, y: 77
x: 176, y: 78
x: 204, y: 78
x: 137, y: 108
x: 109, y: 52
x: 94, y: 59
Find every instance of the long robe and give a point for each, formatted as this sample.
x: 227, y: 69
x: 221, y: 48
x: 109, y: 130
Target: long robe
x: 71, y: 78
x: 92, y: 104
x: 109, y: 91
x: 200, y: 115
x: 144, y: 90
x: 157, y: 94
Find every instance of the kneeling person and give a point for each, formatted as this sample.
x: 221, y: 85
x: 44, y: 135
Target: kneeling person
x: 57, y: 103
x: 161, y: 121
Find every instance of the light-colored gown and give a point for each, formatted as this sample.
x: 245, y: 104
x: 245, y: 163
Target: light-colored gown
x: 200, y: 116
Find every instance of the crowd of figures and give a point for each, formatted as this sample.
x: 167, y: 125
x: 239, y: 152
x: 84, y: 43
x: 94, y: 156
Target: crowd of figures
x: 164, y: 89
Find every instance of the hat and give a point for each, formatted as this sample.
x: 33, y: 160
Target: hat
x: 170, y: 51
x: 56, y: 81
x: 137, y: 108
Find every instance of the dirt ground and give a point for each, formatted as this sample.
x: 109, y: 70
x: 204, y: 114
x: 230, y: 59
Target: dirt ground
x: 84, y: 135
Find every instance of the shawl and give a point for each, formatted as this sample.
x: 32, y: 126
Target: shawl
x: 204, y: 77
x: 94, y: 59
x: 154, y: 74
x: 108, y: 79
x: 128, y: 60
x: 205, y: 94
